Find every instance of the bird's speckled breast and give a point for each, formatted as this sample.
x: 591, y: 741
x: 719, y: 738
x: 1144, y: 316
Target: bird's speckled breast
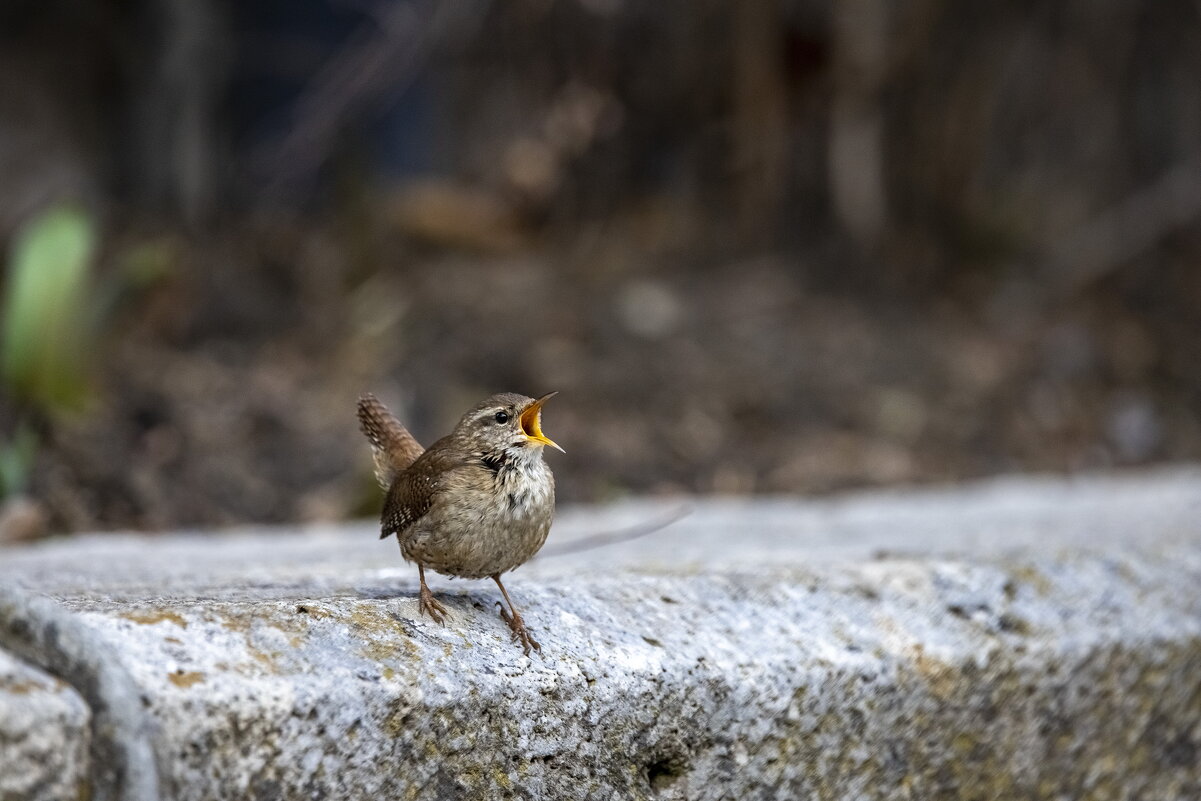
x: 489, y: 519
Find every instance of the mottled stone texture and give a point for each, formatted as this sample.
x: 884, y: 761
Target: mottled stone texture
x: 1019, y: 639
x: 43, y: 735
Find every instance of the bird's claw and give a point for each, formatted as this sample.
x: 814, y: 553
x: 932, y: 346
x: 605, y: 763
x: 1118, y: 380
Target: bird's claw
x: 518, y: 632
x: 427, y: 604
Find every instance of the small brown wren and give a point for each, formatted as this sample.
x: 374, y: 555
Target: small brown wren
x: 478, y: 503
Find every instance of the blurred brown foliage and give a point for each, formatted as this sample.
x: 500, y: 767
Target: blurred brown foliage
x: 758, y: 246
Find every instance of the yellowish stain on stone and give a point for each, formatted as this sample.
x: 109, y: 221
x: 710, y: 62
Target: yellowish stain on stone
x: 502, y: 778
x: 21, y: 687
x: 263, y: 657
x: 1032, y: 576
x: 384, y: 638
x: 963, y: 744
x: 15, y: 686
x: 233, y: 623
x: 314, y: 611
x: 150, y: 617
x: 367, y: 616
x: 185, y: 679
x: 242, y: 620
x: 382, y: 650
x: 938, y: 675
x: 397, y: 720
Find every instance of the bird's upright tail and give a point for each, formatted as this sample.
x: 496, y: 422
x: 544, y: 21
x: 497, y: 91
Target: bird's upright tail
x: 392, y: 446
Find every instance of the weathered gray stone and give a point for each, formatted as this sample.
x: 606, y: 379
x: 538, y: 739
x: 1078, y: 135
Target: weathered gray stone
x: 121, y: 759
x: 1031, y: 638
x: 43, y: 735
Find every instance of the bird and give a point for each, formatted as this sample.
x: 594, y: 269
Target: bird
x: 476, y: 504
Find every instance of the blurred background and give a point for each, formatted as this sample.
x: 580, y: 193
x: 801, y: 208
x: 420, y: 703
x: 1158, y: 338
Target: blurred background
x: 759, y: 247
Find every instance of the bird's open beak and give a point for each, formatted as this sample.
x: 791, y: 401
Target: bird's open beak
x: 531, y: 422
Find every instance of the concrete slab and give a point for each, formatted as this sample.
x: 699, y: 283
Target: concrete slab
x: 1032, y: 637
x: 43, y: 735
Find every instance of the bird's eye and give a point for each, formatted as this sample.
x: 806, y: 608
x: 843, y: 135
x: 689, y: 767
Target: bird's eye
x: 502, y: 418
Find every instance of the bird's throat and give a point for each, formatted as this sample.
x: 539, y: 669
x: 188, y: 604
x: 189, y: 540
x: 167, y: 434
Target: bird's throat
x: 516, y: 461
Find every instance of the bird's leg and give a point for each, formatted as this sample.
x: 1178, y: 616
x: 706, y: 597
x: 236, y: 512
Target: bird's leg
x: 427, y: 603
x: 516, y: 624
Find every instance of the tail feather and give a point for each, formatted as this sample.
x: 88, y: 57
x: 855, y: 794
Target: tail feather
x: 392, y: 446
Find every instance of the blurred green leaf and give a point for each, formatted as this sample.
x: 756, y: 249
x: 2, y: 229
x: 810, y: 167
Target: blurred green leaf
x: 46, y: 325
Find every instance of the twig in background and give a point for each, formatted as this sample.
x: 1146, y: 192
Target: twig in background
x: 1128, y: 228
x: 601, y: 539
x: 378, y: 64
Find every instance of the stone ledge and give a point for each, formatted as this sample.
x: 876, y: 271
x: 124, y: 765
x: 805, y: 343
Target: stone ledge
x: 43, y: 734
x: 1017, y: 638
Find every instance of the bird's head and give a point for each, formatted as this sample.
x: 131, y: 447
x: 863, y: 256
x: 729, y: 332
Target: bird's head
x: 503, y: 422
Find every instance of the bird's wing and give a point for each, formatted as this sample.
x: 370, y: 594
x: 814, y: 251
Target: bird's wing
x: 392, y: 446
x: 415, y: 490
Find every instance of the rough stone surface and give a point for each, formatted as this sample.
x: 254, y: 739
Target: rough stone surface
x: 122, y: 763
x: 1027, y: 638
x: 43, y: 735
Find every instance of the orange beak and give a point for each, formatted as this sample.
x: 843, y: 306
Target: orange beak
x: 531, y: 422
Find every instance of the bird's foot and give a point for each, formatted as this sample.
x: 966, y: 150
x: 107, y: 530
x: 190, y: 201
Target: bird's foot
x: 518, y: 631
x: 427, y: 604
